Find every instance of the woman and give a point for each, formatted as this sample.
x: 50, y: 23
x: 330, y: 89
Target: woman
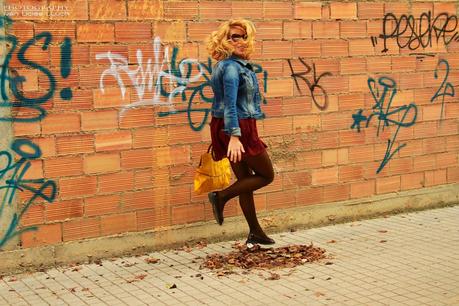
x: 235, y: 109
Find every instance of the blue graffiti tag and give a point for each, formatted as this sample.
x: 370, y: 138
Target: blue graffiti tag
x: 445, y: 89
x: 16, y: 81
x: 14, y: 173
x: 197, y: 89
x: 384, y: 114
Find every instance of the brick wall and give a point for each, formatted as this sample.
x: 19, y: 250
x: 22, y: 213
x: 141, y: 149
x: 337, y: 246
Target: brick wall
x: 103, y: 146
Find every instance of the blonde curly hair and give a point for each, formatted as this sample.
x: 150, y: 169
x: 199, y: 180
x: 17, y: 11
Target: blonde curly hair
x: 217, y: 43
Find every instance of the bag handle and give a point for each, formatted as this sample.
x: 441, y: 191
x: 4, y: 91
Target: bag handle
x: 209, y: 150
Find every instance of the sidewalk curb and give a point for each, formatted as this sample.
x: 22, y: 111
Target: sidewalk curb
x: 88, y: 250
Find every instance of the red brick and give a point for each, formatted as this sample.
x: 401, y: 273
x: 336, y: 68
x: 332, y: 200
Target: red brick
x: 336, y: 193
x: 447, y: 127
x: 133, y: 32
x: 81, y: 100
x: 326, y: 140
x: 367, y: 10
x: 140, y: 158
x: 277, y: 126
x: 350, y: 173
x: 167, y: 156
x: 361, y: 153
x: 34, y: 215
x: 362, y: 189
x: 297, y: 29
x: 58, y: 30
x: 424, y: 162
x: 308, y: 10
x: 96, y: 32
x: 435, y: 177
x: 81, y: 229
x: 145, y: 9
x: 434, y: 145
x: 137, y: 118
x: 352, y: 65
x: 214, y: 10
x: 77, y: 187
x: 99, y: 120
x: 110, y: 97
x: 412, y: 181
x: 403, y: 63
x: 22, y: 30
x: 144, y: 178
x: 353, y: 29
x: 187, y: 213
x: 78, y: 9
x: 18, y: 10
x: 335, y: 48
x: 277, y: 10
x: 453, y: 175
x: 113, y: 141
x: 447, y: 159
x: 412, y: 148
x: 295, y: 180
x: 153, y: 218
x: 397, y: 8
x: 119, y: 223
x: 379, y: 64
x: 277, y: 49
x: 339, y: 10
x: 360, y: 46
x: 63, y: 166
x: 306, y: 48
x: 107, y: 10
x: 308, y: 196
x: 411, y: 80
x: 186, y: 10
x: 251, y: 10
x: 181, y: 134
x: 34, y: 54
x: 358, y: 83
x: 280, y: 200
x: 45, y: 235
x: 325, y: 176
x: 60, y: 123
x: 102, y: 163
x: 101, y: 205
x: 424, y: 130
x: 170, y: 31
x: 451, y: 110
x: 439, y: 8
x: 387, y: 184
x: 400, y: 165
x: 349, y: 138
x: 116, y: 182
x: 59, y: 211
x: 75, y: 144
x: 280, y: 88
x: 325, y: 29
x: 269, y: 30
x: 150, y: 137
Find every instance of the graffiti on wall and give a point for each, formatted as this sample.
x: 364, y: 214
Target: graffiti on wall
x: 312, y: 85
x: 188, y: 79
x: 21, y: 100
x: 414, y: 33
x: 383, y: 92
x: 445, y: 89
x: 13, y: 174
x: 386, y: 91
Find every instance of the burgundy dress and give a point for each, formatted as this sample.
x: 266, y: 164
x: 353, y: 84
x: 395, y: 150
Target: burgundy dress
x: 253, y: 145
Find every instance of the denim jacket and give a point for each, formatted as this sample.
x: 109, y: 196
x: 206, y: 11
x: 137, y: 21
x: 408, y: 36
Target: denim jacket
x: 236, y: 93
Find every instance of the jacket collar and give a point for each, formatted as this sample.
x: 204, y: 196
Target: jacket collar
x: 241, y: 61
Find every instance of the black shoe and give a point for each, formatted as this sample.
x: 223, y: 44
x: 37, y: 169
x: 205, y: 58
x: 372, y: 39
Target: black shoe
x: 213, y: 198
x: 252, y: 239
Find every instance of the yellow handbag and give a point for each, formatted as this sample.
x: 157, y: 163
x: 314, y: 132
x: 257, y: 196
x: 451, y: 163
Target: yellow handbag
x: 210, y: 174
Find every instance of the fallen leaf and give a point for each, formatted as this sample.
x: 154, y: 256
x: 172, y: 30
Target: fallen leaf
x: 319, y: 294
x: 331, y: 241
x: 382, y: 241
x: 151, y: 260
x: 171, y: 286
x: 382, y: 231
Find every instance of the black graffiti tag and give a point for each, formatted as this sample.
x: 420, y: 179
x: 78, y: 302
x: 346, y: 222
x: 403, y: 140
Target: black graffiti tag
x: 311, y: 85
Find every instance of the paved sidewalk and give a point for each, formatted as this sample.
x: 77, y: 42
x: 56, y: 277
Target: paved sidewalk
x: 407, y: 259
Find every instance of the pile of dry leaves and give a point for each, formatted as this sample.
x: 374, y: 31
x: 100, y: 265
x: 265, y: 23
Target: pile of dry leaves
x: 264, y: 258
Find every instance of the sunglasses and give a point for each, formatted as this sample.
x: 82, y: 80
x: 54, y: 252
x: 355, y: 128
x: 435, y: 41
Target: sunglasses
x: 238, y: 37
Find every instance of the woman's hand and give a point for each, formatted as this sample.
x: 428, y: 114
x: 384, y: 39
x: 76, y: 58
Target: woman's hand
x: 235, y: 149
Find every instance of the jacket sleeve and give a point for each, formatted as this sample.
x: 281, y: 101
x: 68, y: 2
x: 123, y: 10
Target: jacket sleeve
x: 230, y: 89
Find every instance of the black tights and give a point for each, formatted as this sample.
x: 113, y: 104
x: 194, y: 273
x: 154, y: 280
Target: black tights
x: 252, y: 173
